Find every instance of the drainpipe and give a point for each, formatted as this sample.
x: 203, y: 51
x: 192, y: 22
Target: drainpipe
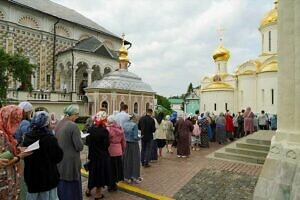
x: 54, y: 49
x: 72, y: 52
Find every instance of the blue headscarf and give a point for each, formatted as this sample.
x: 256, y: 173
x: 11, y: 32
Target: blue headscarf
x: 173, y: 116
x: 40, y: 119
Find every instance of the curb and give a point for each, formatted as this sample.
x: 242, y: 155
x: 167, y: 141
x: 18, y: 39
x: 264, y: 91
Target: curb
x: 134, y: 190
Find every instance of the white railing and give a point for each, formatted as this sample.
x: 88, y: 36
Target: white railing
x: 43, y: 96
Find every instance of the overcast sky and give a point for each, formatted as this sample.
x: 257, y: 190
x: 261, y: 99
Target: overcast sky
x: 173, y: 40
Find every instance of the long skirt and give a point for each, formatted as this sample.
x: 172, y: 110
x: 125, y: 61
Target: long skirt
x: 204, y: 139
x: 153, y: 150
x: 131, y: 160
x: 221, y: 135
x: 183, y: 145
x: 48, y: 195
x: 67, y: 190
x: 99, y: 172
x: 116, y: 170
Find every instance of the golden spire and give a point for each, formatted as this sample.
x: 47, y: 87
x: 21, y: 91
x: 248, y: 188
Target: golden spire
x: 123, y: 53
x: 221, y: 53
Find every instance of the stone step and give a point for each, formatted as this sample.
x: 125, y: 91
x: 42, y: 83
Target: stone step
x: 258, y: 141
x: 246, y: 152
x: 257, y: 147
x: 239, y: 157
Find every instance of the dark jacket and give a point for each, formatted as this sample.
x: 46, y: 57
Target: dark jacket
x: 98, y: 142
x: 40, y: 170
x: 147, y: 127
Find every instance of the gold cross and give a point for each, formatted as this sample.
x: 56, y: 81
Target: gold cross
x: 221, y: 30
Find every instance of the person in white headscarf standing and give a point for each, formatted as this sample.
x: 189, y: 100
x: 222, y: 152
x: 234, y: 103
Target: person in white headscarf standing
x: 24, y: 127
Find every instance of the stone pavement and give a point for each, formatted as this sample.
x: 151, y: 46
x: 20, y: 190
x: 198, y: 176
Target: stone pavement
x: 167, y: 176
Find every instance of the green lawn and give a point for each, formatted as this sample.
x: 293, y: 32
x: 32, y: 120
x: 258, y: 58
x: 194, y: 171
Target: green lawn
x: 80, y: 126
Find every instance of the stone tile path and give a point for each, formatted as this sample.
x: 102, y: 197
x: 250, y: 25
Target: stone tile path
x: 170, y: 174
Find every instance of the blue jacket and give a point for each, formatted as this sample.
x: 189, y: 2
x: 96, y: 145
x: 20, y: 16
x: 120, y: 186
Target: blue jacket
x: 131, y: 131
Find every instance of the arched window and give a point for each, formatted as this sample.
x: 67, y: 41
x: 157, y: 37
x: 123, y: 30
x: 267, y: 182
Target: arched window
x: 147, y: 106
x: 121, y: 105
x: 104, y: 104
x: 135, y: 108
x: 215, y: 107
x: 263, y: 97
x: 107, y: 70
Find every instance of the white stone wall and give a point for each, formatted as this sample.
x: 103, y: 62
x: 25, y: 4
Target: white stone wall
x: 210, y: 98
x: 265, y: 83
x: 246, y: 92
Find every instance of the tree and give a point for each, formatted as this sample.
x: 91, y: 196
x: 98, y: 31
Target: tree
x: 163, y: 102
x: 18, y: 67
x: 190, y: 89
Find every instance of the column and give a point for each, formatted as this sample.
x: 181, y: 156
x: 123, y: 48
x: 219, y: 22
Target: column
x: 74, y: 78
x: 43, y: 63
x: 89, y: 71
x: 57, y: 79
x: 280, y: 175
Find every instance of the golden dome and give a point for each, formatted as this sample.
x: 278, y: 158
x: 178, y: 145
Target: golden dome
x: 271, y: 17
x: 217, y: 86
x: 270, y: 67
x: 221, y: 54
x: 123, y: 53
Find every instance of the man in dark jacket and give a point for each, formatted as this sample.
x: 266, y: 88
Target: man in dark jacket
x: 147, y: 127
x: 41, y: 173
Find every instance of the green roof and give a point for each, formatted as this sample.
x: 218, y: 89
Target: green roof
x: 176, y: 101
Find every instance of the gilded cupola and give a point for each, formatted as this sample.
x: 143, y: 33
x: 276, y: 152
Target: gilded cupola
x: 123, y: 53
x: 271, y: 17
x: 221, y: 53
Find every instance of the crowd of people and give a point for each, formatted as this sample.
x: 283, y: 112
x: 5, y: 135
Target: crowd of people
x: 118, y: 145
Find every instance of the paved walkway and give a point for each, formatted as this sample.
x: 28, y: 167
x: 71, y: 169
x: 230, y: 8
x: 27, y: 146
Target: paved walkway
x: 170, y: 174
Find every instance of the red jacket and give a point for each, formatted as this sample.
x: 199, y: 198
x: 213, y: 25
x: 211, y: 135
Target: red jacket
x: 229, y: 123
x: 116, y: 140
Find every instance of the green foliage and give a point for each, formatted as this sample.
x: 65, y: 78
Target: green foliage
x: 163, y: 105
x: 18, y: 67
x: 190, y: 89
x: 163, y: 101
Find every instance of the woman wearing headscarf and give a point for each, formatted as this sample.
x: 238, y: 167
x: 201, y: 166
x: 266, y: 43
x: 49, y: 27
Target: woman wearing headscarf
x: 69, y: 139
x: 53, y: 122
x: 40, y: 172
x: 132, y: 157
x: 99, y: 166
x: 184, y: 130
x: 116, y: 150
x: 220, y: 129
x: 169, y: 133
x: 248, y: 121
x: 10, y: 169
x: 229, y: 126
x: 204, y: 125
x: 24, y: 126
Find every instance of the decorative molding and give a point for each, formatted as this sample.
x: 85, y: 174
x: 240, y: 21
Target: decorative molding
x: 29, y: 22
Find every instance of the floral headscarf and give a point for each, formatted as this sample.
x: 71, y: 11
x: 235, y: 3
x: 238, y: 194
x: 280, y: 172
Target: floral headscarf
x: 100, y: 118
x: 10, y: 118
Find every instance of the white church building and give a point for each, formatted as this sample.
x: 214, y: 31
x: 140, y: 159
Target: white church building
x: 254, y: 82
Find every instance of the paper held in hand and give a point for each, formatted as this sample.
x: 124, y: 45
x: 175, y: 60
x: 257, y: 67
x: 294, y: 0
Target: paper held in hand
x: 83, y: 135
x: 33, y: 146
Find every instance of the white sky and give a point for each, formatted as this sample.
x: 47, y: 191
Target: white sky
x: 173, y: 40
